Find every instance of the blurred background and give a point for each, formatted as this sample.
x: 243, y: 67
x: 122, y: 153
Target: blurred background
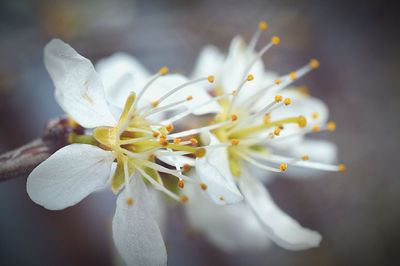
x: 357, y: 43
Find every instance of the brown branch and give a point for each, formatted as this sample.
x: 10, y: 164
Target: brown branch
x: 21, y: 161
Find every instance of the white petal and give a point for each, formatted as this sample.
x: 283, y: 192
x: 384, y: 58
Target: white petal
x: 209, y: 62
x: 265, y: 176
x: 232, y: 228
x: 135, y: 232
x: 79, y: 90
x: 285, y: 231
x: 234, y: 70
x: 318, y: 151
x: 158, y: 208
x: 213, y: 170
x: 69, y: 175
x: 121, y: 74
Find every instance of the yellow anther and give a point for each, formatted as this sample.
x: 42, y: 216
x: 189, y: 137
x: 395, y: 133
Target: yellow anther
x: 275, y: 40
x: 267, y: 118
x: 200, y: 152
x: 186, y: 167
x: 331, y: 126
x: 221, y: 198
x: 234, y: 92
x: 277, y: 131
x: 315, y: 128
x: 152, y: 157
x: 164, y: 70
x: 181, y: 183
x: 234, y: 117
x: 287, y: 101
x: 203, y: 186
x: 177, y: 140
x: 302, y: 121
x: 283, y: 167
x: 129, y: 201
x: 304, y: 90
x: 341, y: 167
x: 156, y: 134
x: 278, y: 81
x: 305, y: 157
x: 170, y: 127
x: 183, y: 198
x: 194, y: 141
x: 278, y: 98
x: 163, y: 141
x: 154, y: 103
x: 293, y: 75
x: 211, y: 78
x: 250, y: 77
x: 314, y: 115
x: 314, y: 63
x: 189, y: 98
x: 262, y: 25
x: 235, y: 142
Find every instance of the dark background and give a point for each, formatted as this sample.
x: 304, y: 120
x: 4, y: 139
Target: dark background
x: 357, y: 43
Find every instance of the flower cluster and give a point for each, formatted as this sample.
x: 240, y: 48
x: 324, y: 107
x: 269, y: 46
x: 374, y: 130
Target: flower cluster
x: 129, y: 143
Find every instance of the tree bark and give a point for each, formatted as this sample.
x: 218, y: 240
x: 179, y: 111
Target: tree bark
x: 21, y: 161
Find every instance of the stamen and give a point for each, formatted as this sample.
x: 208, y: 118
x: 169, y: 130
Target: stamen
x: 305, y: 157
x: 283, y: 167
x: 146, y: 112
x: 177, y: 141
x: 315, y: 129
x: 162, y: 72
x: 278, y: 98
x: 199, y: 130
x: 287, y: 101
x: 235, y: 93
x: 277, y: 131
x: 255, y: 163
x: 331, y: 126
x: 129, y: 201
x: 235, y: 142
x: 170, y: 127
x: 165, y: 96
x: 181, y: 183
x: 262, y: 26
x: 156, y: 134
x: 314, y: 115
x: 183, y: 198
x: 200, y: 152
x: 190, y: 110
x: 314, y: 63
x: 203, y: 186
x: 301, y: 163
x: 186, y: 168
x: 157, y: 185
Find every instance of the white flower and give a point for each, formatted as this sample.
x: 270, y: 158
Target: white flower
x: 133, y: 139
x: 258, y: 130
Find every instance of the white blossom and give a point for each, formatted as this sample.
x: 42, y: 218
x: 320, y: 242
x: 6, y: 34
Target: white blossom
x: 123, y: 110
x: 261, y: 127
